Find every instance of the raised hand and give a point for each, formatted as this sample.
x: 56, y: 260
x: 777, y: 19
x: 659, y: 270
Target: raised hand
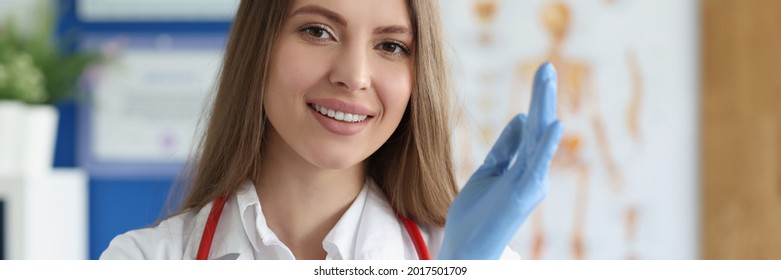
x: 502, y: 193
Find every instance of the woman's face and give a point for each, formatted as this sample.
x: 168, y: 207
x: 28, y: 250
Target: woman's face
x: 341, y: 78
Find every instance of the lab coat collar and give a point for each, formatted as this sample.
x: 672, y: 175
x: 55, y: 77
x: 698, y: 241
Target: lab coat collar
x: 253, y: 219
x: 379, y: 234
x: 361, y: 233
x: 365, y: 229
x: 228, y: 243
x: 340, y: 241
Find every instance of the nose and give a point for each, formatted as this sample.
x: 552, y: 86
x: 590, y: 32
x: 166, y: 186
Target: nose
x: 351, y: 71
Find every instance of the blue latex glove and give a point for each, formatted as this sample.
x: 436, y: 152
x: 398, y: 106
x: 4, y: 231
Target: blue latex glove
x: 502, y: 193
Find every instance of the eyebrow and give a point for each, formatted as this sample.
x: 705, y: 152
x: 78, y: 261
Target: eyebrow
x: 335, y: 17
x: 318, y: 10
x: 393, y: 29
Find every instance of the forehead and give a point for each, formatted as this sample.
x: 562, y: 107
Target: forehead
x: 369, y: 13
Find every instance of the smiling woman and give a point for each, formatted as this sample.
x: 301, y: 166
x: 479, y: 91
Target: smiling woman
x: 328, y: 139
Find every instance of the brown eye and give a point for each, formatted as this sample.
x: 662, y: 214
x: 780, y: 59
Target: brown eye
x: 394, y: 48
x: 391, y: 48
x: 317, y: 32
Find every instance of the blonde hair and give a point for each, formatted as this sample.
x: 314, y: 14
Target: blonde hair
x: 413, y: 168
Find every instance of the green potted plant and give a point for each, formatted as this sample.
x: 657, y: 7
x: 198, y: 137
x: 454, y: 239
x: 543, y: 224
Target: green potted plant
x: 34, y: 75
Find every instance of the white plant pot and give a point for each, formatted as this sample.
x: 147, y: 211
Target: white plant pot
x: 27, y: 138
x: 11, y: 115
x: 40, y: 139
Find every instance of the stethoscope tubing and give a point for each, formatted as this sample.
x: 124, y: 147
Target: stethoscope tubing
x: 219, y: 203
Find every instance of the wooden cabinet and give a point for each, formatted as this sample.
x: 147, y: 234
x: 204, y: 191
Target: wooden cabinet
x: 741, y: 129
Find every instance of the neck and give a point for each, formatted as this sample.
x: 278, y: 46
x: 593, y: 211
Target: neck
x: 302, y: 202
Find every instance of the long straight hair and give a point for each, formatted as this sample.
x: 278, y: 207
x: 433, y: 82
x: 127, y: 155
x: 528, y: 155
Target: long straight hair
x: 413, y: 168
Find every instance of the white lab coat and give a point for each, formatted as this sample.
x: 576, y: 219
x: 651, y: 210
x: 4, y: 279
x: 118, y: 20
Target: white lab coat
x: 369, y: 229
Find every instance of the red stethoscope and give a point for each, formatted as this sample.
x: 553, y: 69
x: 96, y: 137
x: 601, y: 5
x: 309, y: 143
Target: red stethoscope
x: 219, y: 203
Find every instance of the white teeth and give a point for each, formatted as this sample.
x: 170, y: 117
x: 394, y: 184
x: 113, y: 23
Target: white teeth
x: 340, y: 116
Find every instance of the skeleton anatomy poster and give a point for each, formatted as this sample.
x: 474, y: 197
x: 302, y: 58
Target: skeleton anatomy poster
x: 624, y: 182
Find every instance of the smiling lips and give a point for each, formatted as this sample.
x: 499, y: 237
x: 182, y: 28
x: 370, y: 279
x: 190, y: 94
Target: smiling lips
x: 339, y: 115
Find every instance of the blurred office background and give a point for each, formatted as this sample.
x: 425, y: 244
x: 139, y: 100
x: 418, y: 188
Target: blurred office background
x: 671, y: 111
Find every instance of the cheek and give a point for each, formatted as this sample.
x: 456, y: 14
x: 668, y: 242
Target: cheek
x: 394, y: 92
x: 293, y: 69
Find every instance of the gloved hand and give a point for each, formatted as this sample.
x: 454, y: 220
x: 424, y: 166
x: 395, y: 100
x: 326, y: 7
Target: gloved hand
x: 502, y: 193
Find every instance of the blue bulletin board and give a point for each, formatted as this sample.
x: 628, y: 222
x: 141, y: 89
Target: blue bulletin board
x: 142, y: 108
x: 149, y: 63
x: 128, y: 192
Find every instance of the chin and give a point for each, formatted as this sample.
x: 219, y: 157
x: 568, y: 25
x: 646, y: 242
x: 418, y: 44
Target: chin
x: 336, y: 155
x: 338, y: 162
